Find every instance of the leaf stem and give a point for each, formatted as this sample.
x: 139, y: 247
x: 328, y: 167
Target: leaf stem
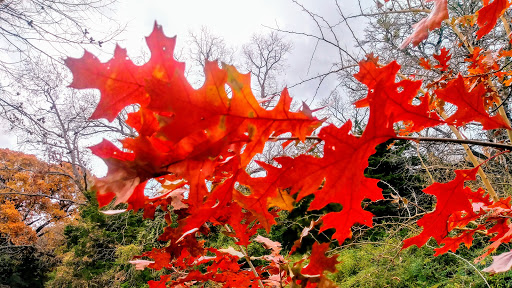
x: 475, y: 162
x: 247, y: 258
x: 423, y: 164
x: 467, y: 262
x: 419, y: 139
x: 459, y: 34
x: 505, y: 25
x: 471, y: 265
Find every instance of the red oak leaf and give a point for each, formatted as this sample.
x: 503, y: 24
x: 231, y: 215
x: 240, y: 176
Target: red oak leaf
x: 483, y: 62
x: 443, y: 59
x: 452, y: 244
x: 242, y: 224
x: 141, y: 264
x: 162, y: 258
x: 162, y: 283
x: 323, y: 283
x: 470, y: 105
x: 265, y: 194
x: 138, y: 199
x: 461, y: 219
x: 451, y: 197
x: 421, y: 29
x: 269, y: 244
x: 144, y: 121
x: 182, y: 131
x: 222, y: 268
x: 346, y: 156
x: 502, y: 203
x: 501, y: 238
x: 212, y: 208
x: 121, y: 178
x: 208, y: 116
x: 319, y: 262
x: 488, y: 16
x: 205, y: 124
x: 341, y: 170
x: 121, y: 82
x: 391, y: 101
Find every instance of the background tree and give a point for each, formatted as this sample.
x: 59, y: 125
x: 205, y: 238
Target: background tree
x: 265, y: 58
x: 35, y: 195
x: 204, y: 45
x: 35, y: 35
x: 32, y: 29
x: 37, y: 200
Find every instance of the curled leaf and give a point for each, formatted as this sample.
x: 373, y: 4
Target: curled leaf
x: 141, y: 264
x: 500, y: 263
x: 113, y: 212
x: 433, y: 21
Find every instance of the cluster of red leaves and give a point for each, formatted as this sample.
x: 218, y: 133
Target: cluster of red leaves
x: 464, y: 212
x: 198, y: 142
x: 461, y: 211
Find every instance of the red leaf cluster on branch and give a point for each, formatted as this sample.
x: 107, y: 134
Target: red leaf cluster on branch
x: 198, y: 142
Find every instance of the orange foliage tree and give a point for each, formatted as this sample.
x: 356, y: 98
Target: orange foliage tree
x: 35, y: 196
x: 198, y: 143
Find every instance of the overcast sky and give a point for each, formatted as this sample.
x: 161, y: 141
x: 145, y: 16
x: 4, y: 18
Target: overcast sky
x: 236, y: 21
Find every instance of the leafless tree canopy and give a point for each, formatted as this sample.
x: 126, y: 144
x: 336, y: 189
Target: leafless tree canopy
x: 265, y: 58
x: 204, y: 46
x: 51, y: 120
x: 31, y: 28
x: 48, y: 118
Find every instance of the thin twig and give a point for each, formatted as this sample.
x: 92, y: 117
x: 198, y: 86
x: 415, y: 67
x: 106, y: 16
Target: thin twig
x: 412, y: 10
x: 467, y: 262
x: 247, y: 258
x: 423, y: 164
x: 473, y: 266
x: 15, y: 192
x: 417, y: 139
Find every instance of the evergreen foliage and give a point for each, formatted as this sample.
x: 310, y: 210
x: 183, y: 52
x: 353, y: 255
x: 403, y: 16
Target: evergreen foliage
x: 23, y: 266
x: 98, y: 249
